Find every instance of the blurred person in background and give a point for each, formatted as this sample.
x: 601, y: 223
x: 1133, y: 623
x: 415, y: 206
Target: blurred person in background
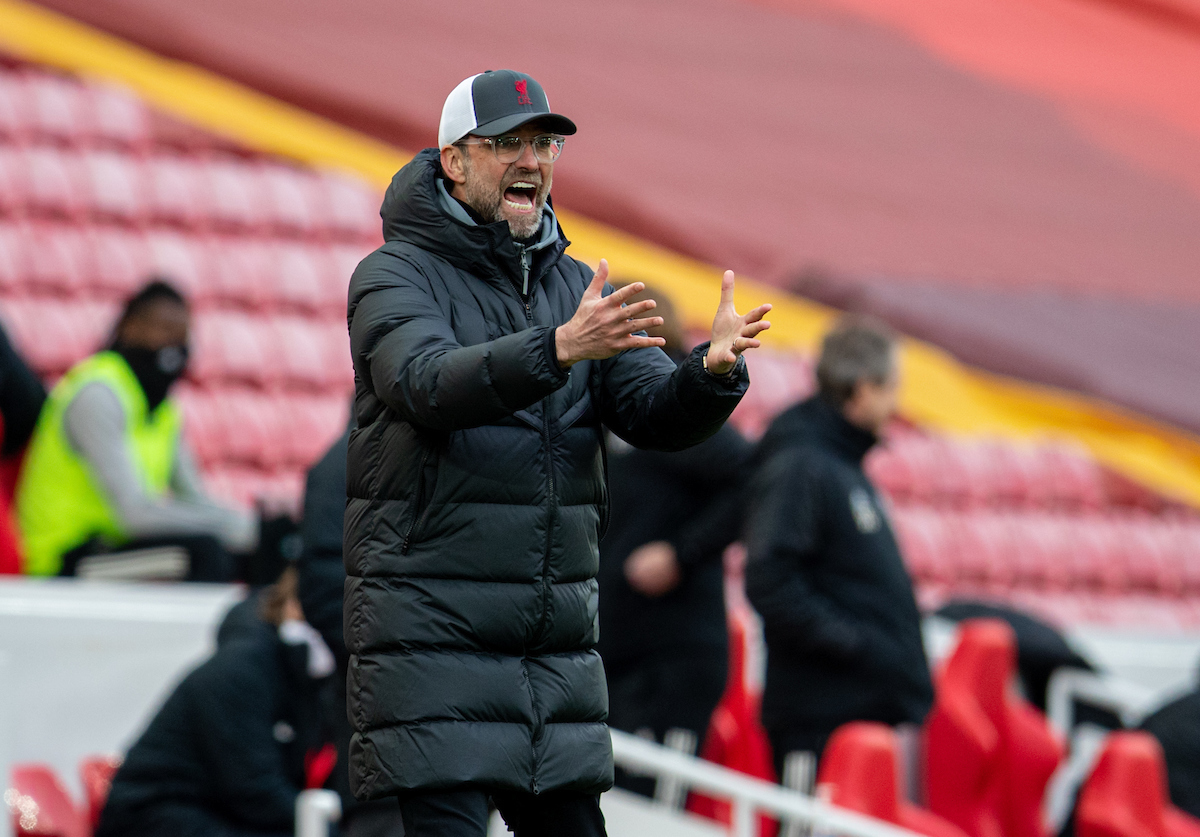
x: 108, y: 468
x: 21, y: 398
x: 322, y: 580
x: 237, y: 740
x: 841, y: 624
x: 487, y: 361
x: 662, y: 595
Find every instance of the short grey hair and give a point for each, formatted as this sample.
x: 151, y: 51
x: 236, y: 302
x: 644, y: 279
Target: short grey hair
x: 857, y: 348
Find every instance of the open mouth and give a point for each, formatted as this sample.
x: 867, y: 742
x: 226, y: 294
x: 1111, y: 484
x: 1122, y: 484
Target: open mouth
x: 519, y: 196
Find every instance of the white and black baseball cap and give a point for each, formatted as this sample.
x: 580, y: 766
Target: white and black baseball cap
x: 495, y: 102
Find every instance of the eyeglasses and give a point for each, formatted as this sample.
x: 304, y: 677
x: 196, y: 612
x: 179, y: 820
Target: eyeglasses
x: 508, y: 149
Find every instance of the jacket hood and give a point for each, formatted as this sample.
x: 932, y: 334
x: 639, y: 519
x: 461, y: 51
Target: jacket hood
x: 413, y: 212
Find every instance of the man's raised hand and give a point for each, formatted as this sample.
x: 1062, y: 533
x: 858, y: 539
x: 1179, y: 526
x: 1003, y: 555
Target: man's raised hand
x: 733, y: 333
x: 601, y: 327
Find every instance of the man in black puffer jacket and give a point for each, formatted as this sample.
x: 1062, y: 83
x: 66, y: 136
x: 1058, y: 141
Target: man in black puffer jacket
x: 842, y: 628
x: 486, y: 361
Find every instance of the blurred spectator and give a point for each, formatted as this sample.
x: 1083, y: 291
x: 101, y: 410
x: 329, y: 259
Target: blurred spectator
x: 236, y: 741
x: 1177, y: 728
x: 322, y: 580
x: 108, y: 469
x: 662, y: 602
x: 21, y: 398
x: 842, y: 628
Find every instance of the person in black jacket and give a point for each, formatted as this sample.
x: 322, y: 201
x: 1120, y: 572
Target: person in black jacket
x: 226, y: 754
x: 842, y: 628
x: 486, y: 361
x: 662, y: 590
x: 1177, y: 728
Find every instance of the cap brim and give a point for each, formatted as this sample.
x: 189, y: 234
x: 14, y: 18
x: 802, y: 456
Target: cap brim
x: 555, y: 123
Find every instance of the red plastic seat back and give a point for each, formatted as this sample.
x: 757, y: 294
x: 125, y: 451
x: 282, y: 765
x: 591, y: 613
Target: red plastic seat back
x: 964, y: 733
x: 1032, y: 752
x: 859, y: 768
x: 96, y: 773
x: 1126, y: 794
x: 40, y: 806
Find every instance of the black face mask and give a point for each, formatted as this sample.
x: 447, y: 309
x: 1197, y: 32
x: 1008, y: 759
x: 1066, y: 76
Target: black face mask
x: 156, y: 369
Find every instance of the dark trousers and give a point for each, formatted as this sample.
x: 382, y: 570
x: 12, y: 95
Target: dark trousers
x: 674, y: 688
x: 207, y: 559
x: 174, y: 819
x: 464, y: 813
x: 789, y: 740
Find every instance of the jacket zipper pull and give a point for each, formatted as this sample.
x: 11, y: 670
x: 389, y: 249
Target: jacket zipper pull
x: 525, y: 273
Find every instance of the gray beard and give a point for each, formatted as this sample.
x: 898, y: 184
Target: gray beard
x: 487, y: 206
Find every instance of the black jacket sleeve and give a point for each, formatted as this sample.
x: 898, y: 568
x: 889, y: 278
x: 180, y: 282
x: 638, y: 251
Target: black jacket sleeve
x: 322, y: 575
x: 651, y: 403
x: 232, y: 703
x: 21, y: 398
x: 783, y: 536
x: 402, y: 343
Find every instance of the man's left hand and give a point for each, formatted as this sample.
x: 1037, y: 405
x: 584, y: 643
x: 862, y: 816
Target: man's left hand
x: 733, y: 333
x: 652, y: 569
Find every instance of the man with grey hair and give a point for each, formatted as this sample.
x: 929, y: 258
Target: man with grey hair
x: 842, y: 628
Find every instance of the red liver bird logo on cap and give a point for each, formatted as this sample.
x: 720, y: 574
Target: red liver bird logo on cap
x: 522, y: 93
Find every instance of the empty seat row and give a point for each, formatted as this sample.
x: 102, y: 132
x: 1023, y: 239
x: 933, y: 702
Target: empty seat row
x: 987, y: 473
x: 223, y: 193
x: 108, y: 262
x: 1002, y: 550
x: 279, y: 352
x: 39, y: 106
x: 250, y: 428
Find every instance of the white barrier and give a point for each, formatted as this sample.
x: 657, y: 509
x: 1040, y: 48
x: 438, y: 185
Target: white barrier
x: 315, y: 810
x: 749, y: 796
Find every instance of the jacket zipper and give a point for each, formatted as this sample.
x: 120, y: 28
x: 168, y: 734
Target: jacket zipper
x: 422, y: 506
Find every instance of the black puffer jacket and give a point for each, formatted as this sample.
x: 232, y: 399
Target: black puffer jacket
x: 476, y: 499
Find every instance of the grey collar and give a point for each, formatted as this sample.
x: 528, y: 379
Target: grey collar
x: 547, y: 233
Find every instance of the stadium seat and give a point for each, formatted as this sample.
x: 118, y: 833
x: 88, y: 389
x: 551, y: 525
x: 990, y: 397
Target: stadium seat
x: 122, y: 261
x: 14, y: 184
x: 96, y: 774
x: 927, y: 542
x: 351, y: 207
x: 14, y: 257
x: 53, y: 179
x: 292, y: 198
x: 115, y: 186
x: 989, y: 754
x: 239, y: 201
x: 54, y: 334
x: 57, y: 108
x: 184, y: 260
x: 311, y: 354
x: 987, y: 542
x: 860, y: 771
x: 117, y: 118
x: 1126, y: 793
x: 14, y: 108
x: 41, y: 806
x: 178, y: 191
x: 59, y: 259
x: 242, y: 272
x: 229, y: 347
x: 298, y: 277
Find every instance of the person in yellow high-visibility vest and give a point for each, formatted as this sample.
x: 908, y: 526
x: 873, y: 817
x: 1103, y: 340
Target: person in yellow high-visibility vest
x: 107, y: 469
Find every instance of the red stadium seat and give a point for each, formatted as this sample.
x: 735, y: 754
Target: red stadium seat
x: 185, y: 261
x: 14, y: 181
x: 311, y: 354
x: 117, y: 118
x: 927, y: 542
x: 53, y: 180
x: 243, y: 268
x: 58, y: 108
x: 96, y: 774
x: 115, y: 187
x: 1126, y: 793
x: 41, y: 806
x: 60, y: 261
x: 986, y: 546
x: 178, y: 191
x: 345, y: 259
x: 292, y: 199
x: 298, y: 277
x: 14, y: 108
x: 14, y: 257
x: 229, y: 347
x: 351, y: 207
x: 989, y: 754
x: 239, y: 201
x: 860, y: 771
x: 122, y: 261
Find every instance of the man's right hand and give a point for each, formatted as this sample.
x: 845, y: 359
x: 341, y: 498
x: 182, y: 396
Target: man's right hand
x: 601, y: 327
